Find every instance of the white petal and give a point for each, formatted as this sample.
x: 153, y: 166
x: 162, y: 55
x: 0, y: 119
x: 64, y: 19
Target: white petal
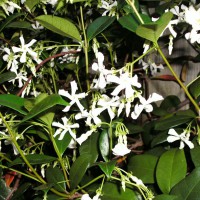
x: 173, y: 132
x: 171, y: 139
x: 120, y: 149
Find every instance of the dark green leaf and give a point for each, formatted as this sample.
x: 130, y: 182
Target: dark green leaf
x: 170, y: 102
x: 5, y: 191
x: 143, y: 167
x: 172, y: 121
x: 7, y: 76
x: 90, y: 147
x: 44, y: 105
x: 107, y: 167
x: 20, y: 24
x: 195, y: 152
x: 159, y: 139
x: 14, y: 102
x: 98, y: 25
x: 21, y: 190
x: 188, y: 188
x: 63, y: 144
x: 50, y: 197
x: 78, y: 169
x: 152, y: 31
x: 194, y: 88
x: 55, y: 176
x: 60, y: 26
x: 165, y: 197
x: 34, y: 159
x: 32, y: 4
x: 9, y: 20
x: 171, y: 169
x: 104, y: 145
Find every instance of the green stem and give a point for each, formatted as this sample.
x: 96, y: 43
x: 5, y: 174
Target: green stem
x: 131, y: 3
x: 178, y: 80
x: 85, y: 49
x: 53, y: 79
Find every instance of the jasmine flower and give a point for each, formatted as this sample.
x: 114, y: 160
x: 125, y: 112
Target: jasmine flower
x: 120, y: 149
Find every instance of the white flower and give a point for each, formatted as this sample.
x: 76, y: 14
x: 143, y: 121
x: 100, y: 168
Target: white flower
x: 84, y: 136
x: 21, y: 76
x: 109, y: 7
x: 99, y: 67
x: 145, y: 104
x: 87, y: 197
x: 37, y: 26
x: 73, y: 97
x: 193, y: 36
x: 52, y: 2
x: 137, y: 181
x: 25, y: 48
x: 64, y: 128
x: 183, y: 137
x: 125, y: 82
x: 170, y: 47
x: 120, y: 149
x: 9, y: 6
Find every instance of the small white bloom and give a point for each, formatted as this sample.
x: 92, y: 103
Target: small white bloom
x: 120, y: 149
x: 21, y: 76
x: 137, y: 181
x: 84, y: 136
x: 145, y: 104
x: 170, y: 47
x: 109, y: 6
x: 125, y: 82
x: 73, y: 97
x: 25, y: 48
x: 37, y: 26
x: 183, y: 137
x: 64, y: 128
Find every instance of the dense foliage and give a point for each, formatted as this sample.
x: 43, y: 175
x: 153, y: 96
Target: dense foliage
x: 77, y: 119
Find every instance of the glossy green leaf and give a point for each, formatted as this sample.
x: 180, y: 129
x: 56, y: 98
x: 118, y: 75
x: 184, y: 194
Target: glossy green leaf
x: 188, y: 188
x: 166, y: 197
x: 107, y: 167
x: 60, y: 26
x: 44, y: 105
x: 19, y: 24
x: 78, y: 169
x: 98, y: 25
x: 5, y: 191
x: 152, y: 31
x: 7, y: 76
x: 143, y: 167
x: 9, y: 19
x: 114, y: 192
x: 194, y: 88
x: 90, y: 147
x: 172, y: 121
x: 55, y: 176
x: 170, y: 102
x: 21, y: 190
x: 34, y: 159
x: 14, y: 102
x: 171, y: 169
x: 32, y: 4
x: 63, y: 144
x: 104, y: 146
x: 159, y: 139
x: 195, y: 152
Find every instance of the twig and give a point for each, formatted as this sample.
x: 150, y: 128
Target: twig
x: 41, y: 64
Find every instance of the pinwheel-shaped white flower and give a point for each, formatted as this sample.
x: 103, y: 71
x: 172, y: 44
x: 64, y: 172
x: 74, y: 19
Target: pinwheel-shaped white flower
x: 64, y: 128
x: 145, y: 105
x: 25, y: 48
x: 73, y: 97
x: 125, y: 82
x: 108, y: 6
x: 9, y: 6
x: 183, y: 137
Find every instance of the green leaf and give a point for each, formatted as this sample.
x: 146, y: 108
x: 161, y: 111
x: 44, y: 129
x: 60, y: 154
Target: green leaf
x: 104, y: 145
x: 194, y: 88
x: 55, y: 176
x: 165, y: 197
x: 7, y: 76
x: 5, y: 191
x: 152, y: 31
x: 34, y: 159
x: 90, y: 147
x: 14, y: 102
x: 9, y: 20
x: 188, y: 188
x: 78, y: 169
x: 171, y: 169
x: 63, y: 144
x: 113, y: 192
x: 20, y: 24
x: 32, y: 4
x: 60, y: 26
x: 159, y: 139
x: 44, y: 105
x: 170, y: 102
x: 143, y: 167
x: 107, y: 167
x: 98, y: 25
x: 172, y: 121
x: 195, y: 152
x: 21, y: 190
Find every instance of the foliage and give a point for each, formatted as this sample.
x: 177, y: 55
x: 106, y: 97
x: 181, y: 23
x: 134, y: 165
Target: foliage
x: 76, y: 116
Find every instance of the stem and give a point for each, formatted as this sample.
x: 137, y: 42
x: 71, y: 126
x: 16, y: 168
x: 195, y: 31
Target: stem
x: 131, y: 3
x: 85, y: 49
x: 178, y: 80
